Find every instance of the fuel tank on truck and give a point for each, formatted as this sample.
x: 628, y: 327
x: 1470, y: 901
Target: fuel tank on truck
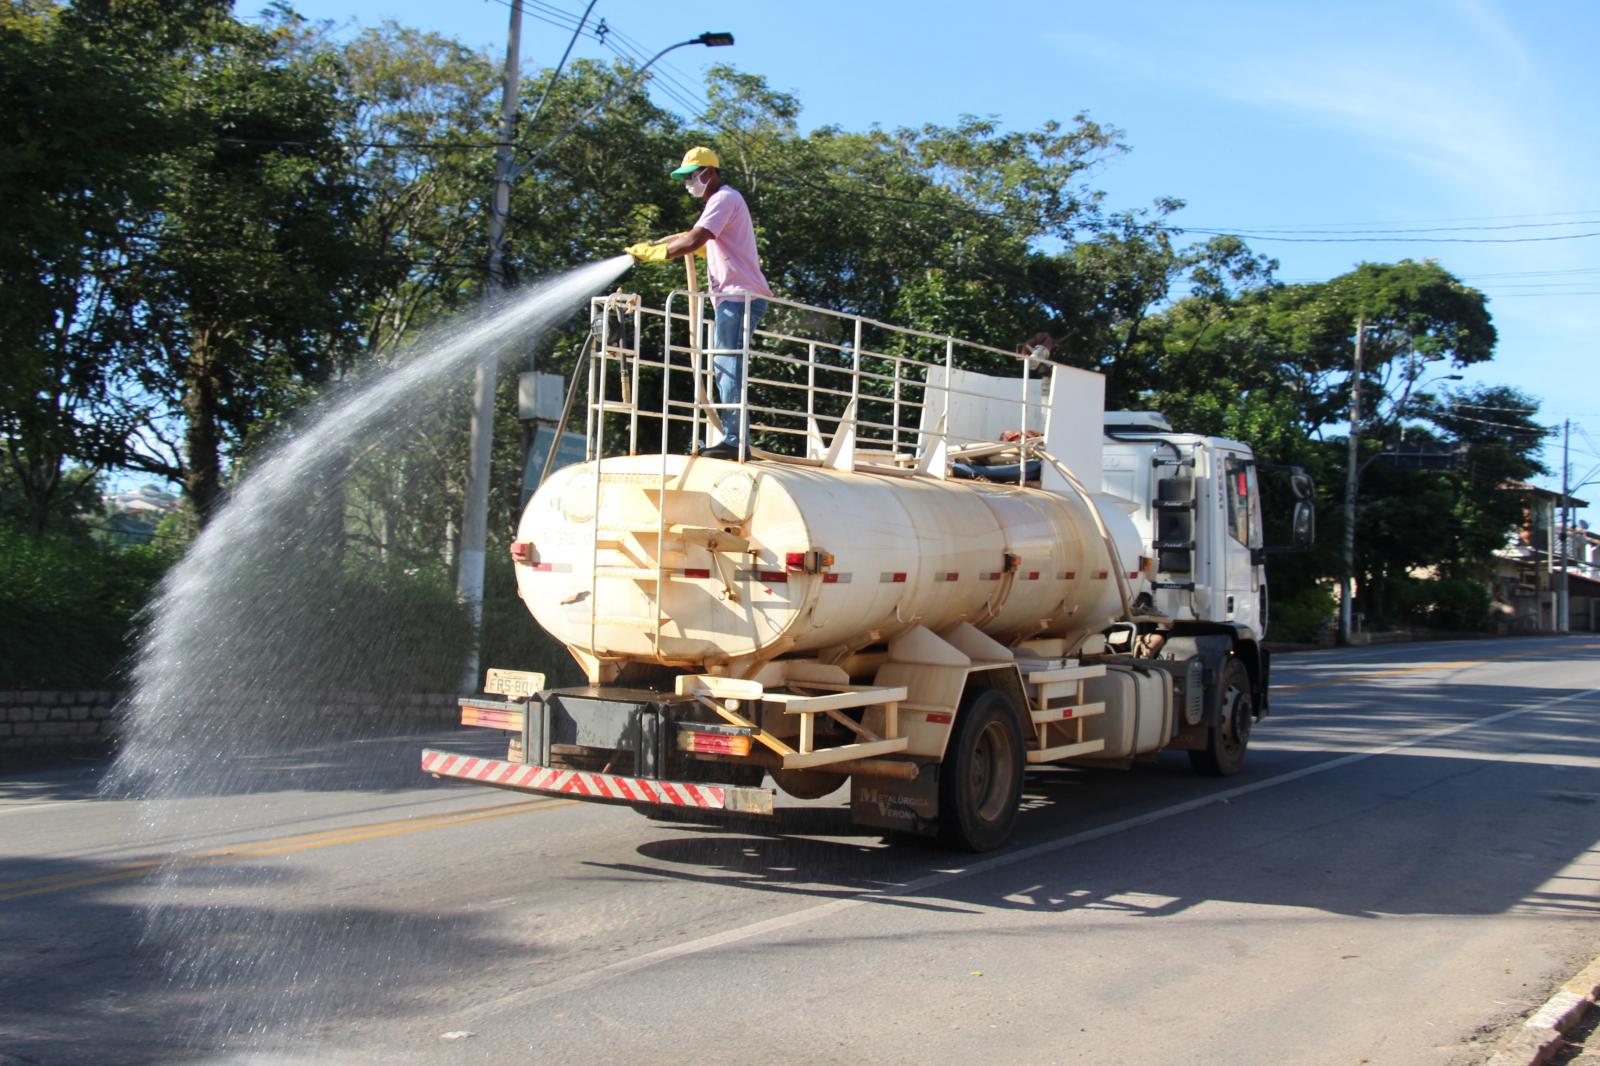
x: 694, y: 562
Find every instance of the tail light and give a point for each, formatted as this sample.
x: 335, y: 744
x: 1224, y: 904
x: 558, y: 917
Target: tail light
x: 808, y: 562
x: 522, y: 552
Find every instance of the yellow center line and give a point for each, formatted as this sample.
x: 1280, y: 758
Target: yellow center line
x: 264, y: 848
x: 1427, y: 668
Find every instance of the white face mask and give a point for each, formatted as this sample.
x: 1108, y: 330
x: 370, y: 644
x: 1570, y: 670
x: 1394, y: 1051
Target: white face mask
x: 695, y: 184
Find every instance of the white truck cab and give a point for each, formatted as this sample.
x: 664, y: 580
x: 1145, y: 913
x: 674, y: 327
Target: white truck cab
x: 1197, y: 503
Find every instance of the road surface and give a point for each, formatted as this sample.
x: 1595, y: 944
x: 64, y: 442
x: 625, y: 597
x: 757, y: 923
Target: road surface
x: 1409, y: 860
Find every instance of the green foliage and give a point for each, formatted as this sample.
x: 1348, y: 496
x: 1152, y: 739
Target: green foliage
x: 1458, y: 605
x: 71, y: 609
x: 1305, y: 617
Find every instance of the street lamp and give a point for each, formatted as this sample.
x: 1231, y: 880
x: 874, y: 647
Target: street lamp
x: 475, y: 516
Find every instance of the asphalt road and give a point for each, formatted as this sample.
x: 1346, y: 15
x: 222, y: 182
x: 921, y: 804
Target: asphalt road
x: 1409, y: 860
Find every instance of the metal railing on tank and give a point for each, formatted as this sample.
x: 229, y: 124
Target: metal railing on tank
x: 810, y: 375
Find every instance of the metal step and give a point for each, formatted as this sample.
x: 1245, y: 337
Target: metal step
x: 1066, y: 751
x: 628, y: 621
x: 612, y: 528
x: 636, y: 573
x: 634, y: 477
x: 1069, y: 713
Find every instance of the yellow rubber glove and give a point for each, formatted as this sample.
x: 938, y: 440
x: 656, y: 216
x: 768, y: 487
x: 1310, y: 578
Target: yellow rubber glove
x: 647, y: 252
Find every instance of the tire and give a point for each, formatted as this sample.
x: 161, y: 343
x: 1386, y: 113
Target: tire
x: 1226, y: 742
x: 980, y: 780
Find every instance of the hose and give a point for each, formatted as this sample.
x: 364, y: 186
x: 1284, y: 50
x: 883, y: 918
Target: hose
x: 566, y: 408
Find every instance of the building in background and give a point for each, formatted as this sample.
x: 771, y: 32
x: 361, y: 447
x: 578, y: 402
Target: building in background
x: 1527, y: 571
x: 132, y: 516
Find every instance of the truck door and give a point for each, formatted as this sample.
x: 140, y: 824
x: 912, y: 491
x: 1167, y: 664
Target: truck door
x: 1241, y: 576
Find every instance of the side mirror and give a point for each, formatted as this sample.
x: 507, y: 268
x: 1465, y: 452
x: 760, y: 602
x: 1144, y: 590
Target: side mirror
x: 1304, y: 527
x: 1301, y: 485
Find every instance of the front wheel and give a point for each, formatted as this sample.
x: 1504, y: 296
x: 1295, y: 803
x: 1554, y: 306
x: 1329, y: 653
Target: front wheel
x: 1226, y: 741
x: 980, y: 780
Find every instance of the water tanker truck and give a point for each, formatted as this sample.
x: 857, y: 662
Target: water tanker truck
x: 938, y: 564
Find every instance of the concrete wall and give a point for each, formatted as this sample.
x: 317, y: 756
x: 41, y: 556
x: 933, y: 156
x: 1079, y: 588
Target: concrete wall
x: 34, y: 725
x: 56, y: 722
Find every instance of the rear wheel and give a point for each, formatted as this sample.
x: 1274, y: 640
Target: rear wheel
x: 980, y: 780
x: 1226, y: 741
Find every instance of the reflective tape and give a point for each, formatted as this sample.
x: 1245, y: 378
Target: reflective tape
x: 527, y: 778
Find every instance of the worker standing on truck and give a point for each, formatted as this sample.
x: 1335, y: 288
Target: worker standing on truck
x: 726, y: 232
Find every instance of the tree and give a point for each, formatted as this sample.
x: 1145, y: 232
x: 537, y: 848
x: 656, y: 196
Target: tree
x: 84, y: 127
x: 253, y: 272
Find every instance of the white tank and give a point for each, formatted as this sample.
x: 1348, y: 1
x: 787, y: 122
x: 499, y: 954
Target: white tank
x: 721, y: 575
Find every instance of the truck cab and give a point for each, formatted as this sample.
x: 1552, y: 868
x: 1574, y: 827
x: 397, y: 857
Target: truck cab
x: 1197, y: 503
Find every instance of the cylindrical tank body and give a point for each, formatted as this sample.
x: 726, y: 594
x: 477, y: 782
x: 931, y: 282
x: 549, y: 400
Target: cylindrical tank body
x: 710, y: 568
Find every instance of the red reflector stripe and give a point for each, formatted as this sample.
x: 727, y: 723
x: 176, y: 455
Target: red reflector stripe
x: 546, y: 567
x: 1033, y: 575
x: 1101, y: 576
x: 938, y: 718
x: 775, y: 577
x: 697, y: 573
x: 830, y: 579
x: 1068, y: 575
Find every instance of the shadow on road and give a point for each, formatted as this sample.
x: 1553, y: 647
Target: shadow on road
x: 1473, y: 822
x: 212, y: 969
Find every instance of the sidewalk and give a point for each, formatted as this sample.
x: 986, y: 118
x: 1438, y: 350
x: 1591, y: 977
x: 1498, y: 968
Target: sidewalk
x: 1544, y: 1036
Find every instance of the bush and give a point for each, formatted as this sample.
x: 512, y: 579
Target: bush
x: 1302, y: 618
x: 70, y: 609
x: 1460, y: 604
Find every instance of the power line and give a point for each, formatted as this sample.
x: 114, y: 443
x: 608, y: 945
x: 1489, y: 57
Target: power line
x: 1512, y: 295
x: 1258, y: 236
x: 1432, y: 229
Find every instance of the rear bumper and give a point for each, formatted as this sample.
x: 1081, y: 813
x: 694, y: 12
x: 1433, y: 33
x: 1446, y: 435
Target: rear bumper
x: 598, y: 787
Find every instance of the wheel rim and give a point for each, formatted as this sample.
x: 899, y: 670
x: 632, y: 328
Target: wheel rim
x: 991, y: 775
x: 1237, y: 719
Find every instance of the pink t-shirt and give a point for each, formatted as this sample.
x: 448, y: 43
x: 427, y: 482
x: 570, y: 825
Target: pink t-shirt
x: 731, y: 258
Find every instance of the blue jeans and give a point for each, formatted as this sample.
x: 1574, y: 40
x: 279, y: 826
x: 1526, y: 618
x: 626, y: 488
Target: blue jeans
x: 727, y: 367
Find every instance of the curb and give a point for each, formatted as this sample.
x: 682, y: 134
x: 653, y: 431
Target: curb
x: 1540, y: 1037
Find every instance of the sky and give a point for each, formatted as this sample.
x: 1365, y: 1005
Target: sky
x: 1315, y: 130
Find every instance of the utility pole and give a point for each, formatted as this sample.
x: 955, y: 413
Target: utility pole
x: 475, y: 518
x: 1562, y: 616
x: 1352, y: 483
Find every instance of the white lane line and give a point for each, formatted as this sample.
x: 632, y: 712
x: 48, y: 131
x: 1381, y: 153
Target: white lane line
x: 590, y: 978
x: 22, y: 807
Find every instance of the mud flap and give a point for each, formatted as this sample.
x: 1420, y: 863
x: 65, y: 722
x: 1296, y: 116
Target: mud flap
x: 901, y: 806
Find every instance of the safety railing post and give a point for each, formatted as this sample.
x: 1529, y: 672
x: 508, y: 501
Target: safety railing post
x: 1027, y: 379
x: 743, y: 425
x: 949, y: 384
x: 855, y: 369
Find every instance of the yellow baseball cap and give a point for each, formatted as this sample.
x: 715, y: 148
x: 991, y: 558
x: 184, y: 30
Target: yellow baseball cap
x: 694, y: 159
